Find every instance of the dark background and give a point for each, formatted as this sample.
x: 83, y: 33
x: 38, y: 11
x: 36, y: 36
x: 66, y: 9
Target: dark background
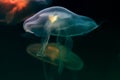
x: 99, y: 49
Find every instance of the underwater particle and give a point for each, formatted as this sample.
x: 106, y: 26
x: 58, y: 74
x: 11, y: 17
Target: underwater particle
x: 13, y: 11
x: 71, y: 61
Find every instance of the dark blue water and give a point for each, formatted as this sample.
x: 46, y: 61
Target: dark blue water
x: 99, y: 49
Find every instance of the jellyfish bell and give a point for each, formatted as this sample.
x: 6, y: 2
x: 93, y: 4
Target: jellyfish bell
x: 70, y: 61
x: 58, y: 19
x: 14, y: 11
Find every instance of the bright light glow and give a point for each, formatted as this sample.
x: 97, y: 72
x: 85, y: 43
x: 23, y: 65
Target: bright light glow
x: 53, y: 18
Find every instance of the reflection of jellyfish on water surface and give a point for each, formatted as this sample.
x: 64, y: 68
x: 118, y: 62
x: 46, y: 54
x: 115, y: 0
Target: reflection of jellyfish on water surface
x: 62, y: 23
x: 13, y: 11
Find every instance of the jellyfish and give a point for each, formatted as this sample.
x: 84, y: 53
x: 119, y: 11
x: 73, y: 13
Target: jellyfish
x: 60, y: 22
x: 13, y: 11
x: 52, y: 51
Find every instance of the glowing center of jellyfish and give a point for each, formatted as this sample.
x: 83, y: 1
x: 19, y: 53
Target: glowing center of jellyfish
x: 53, y: 18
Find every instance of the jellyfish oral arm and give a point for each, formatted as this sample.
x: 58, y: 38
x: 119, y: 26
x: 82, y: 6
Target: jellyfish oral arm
x: 44, y: 42
x: 61, y: 64
x: 46, y: 36
x: 68, y: 44
x: 59, y: 40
